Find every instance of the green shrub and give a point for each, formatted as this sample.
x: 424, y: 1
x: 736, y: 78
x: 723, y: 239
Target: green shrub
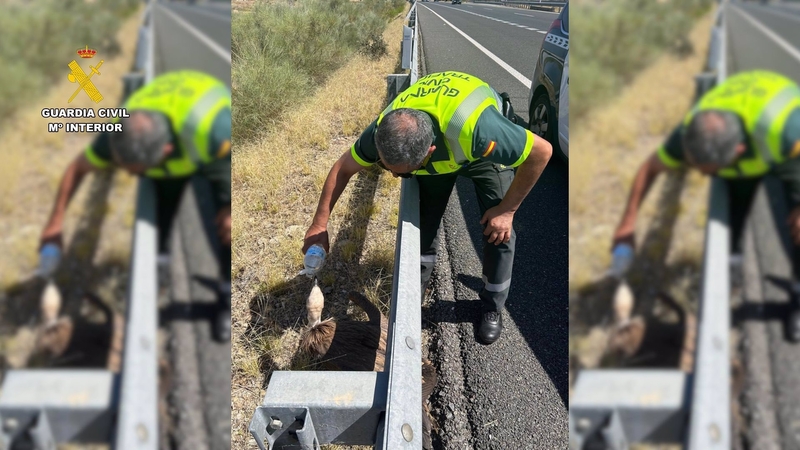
x: 616, y: 40
x: 38, y: 40
x: 281, y: 51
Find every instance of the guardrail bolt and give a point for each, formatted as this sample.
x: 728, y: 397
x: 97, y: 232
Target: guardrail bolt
x: 713, y: 430
x: 410, y: 342
x: 408, y: 433
x: 584, y: 424
x: 274, y: 425
x: 10, y: 424
x: 141, y: 433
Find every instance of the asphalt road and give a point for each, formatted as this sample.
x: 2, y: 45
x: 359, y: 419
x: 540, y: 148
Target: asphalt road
x: 196, y: 412
x: 512, y: 394
x: 767, y: 37
x: 764, y: 37
x: 196, y: 37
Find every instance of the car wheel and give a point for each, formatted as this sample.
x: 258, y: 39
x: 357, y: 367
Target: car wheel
x: 544, y: 122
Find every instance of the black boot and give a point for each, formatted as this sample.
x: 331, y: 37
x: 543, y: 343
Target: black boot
x: 793, y: 325
x: 222, y: 321
x: 491, y: 326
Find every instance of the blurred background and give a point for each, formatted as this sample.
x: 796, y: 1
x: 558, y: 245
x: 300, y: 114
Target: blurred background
x: 37, y: 41
x: 634, y: 81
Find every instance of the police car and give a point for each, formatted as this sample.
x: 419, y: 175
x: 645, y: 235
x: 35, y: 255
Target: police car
x: 549, y: 95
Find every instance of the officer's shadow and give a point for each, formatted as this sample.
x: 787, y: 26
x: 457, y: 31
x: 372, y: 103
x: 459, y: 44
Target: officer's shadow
x: 451, y: 310
x: 76, y: 276
x: 649, y: 272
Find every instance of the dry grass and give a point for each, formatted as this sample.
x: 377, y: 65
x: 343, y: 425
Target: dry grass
x: 97, y: 226
x: 277, y: 180
x: 619, y: 137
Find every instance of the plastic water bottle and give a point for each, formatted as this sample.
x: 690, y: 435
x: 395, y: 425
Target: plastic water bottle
x: 313, y: 261
x: 49, y: 257
x: 622, y: 260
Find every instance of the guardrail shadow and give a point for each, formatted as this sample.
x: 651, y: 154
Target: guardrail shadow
x: 537, y: 302
x: 77, y: 263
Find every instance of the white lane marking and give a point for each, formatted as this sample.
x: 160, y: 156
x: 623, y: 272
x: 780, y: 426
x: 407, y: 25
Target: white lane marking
x: 791, y: 16
x: 543, y: 32
x: 514, y: 73
x: 770, y: 34
x: 499, y: 20
x: 216, y: 48
x: 526, y: 15
x: 226, y: 18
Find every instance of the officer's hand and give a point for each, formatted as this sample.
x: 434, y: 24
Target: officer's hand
x: 316, y: 235
x: 498, y: 225
x: 223, y: 222
x: 623, y: 235
x: 51, y: 235
x: 794, y: 224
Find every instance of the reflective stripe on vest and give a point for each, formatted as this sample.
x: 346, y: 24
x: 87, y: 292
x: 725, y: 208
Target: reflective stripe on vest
x: 763, y: 101
x: 455, y: 100
x: 196, y: 129
x: 191, y: 100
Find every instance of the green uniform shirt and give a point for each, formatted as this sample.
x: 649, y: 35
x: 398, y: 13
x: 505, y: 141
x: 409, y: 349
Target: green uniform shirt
x: 509, y: 142
x: 671, y: 153
x: 217, y: 172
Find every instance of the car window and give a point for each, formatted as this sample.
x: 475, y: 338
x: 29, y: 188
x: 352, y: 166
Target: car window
x: 565, y: 18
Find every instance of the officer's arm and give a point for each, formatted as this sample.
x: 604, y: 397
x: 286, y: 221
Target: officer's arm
x: 647, y: 173
x: 528, y: 174
x: 337, y: 180
x: 69, y: 184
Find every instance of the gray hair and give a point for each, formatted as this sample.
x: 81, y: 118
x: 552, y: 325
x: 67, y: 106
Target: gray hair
x: 404, y: 137
x: 143, y: 137
x: 709, y: 143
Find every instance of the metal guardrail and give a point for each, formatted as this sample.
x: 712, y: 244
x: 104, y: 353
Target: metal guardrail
x: 615, y: 408
x: 137, y: 426
x: 404, y: 343
x: 710, y: 426
x: 304, y: 409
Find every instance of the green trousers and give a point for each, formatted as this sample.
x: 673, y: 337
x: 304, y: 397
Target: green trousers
x: 491, y: 183
x: 740, y: 197
x: 169, y: 193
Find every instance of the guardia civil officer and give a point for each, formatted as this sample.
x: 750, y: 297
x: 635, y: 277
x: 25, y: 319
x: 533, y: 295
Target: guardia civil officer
x: 179, y: 127
x: 446, y: 125
x: 741, y: 130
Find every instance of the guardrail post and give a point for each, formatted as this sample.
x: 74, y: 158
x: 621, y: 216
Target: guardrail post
x: 408, y: 36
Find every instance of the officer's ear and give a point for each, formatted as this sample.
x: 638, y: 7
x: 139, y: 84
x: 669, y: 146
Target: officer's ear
x: 430, y: 150
x: 169, y: 148
x: 740, y: 149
